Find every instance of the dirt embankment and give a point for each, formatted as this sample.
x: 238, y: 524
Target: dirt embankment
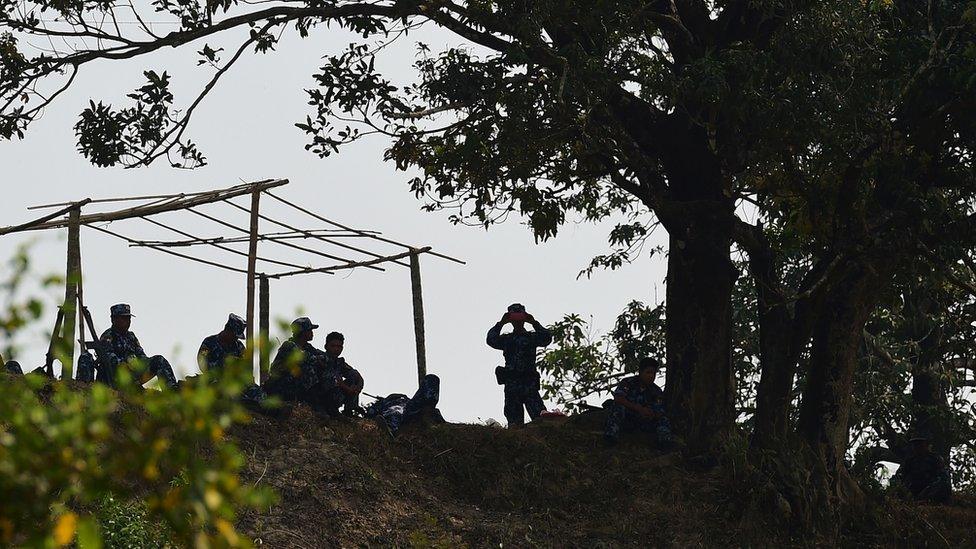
x: 550, y: 484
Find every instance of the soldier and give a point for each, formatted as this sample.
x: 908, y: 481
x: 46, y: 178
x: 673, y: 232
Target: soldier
x: 638, y: 405
x: 216, y: 349
x: 340, y: 382
x: 396, y: 410
x: 924, y: 474
x: 11, y: 367
x: 120, y: 347
x: 294, y: 370
x: 519, y: 376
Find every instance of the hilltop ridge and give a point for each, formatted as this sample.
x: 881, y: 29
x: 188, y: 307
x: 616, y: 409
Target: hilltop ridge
x: 552, y: 483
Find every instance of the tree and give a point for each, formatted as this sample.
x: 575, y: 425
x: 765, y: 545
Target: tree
x: 846, y: 125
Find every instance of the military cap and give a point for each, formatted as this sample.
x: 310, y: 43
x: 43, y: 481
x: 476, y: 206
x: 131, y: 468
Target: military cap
x: 121, y: 309
x: 516, y: 308
x: 237, y: 325
x: 302, y: 324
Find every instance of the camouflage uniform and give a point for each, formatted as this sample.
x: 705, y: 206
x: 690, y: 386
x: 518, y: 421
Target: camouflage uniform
x: 124, y: 349
x: 12, y: 367
x: 521, y: 376
x: 212, y: 355
x: 926, y: 477
x: 619, y: 418
x: 329, y: 396
x: 397, y: 410
x: 294, y: 371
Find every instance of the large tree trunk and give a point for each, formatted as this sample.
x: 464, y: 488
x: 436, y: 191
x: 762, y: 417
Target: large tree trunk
x: 699, y: 389
x: 931, y: 414
x: 826, y: 405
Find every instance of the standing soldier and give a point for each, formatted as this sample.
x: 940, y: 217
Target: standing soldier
x: 519, y: 376
x: 218, y: 348
x: 638, y: 404
x: 294, y: 370
x: 340, y: 382
x: 120, y: 347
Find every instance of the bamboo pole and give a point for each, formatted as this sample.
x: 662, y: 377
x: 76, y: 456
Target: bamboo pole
x: 252, y: 256
x: 310, y: 234
x: 418, y: 313
x: 332, y: 268
x: 67, y: 351
x: 264, y: 315
x: 153, y: 209
x: 341, y: 226
x: 280, y: 243
x: 41, y: 220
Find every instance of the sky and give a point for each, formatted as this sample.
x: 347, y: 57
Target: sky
x: 246, y: 130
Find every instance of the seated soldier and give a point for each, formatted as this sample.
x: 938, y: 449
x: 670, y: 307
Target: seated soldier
x: 215, y: 350
x: 294, y: 370
x: 638, y: 405
x: 924, y: 473
x: 120, y: 347
x: 11, y: 367
x: 340, y: 383
x: 396, y: 410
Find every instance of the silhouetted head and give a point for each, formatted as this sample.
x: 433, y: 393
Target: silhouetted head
x: 647, y: 370
x: 516, y: 315
x: 121, y: 317
x: 920, y: 445
x: 334, y: 343
x: 235, y: 327
x: 302, y: 328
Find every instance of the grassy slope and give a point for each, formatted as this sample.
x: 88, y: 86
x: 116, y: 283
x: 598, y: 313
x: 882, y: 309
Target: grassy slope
x: 550, y: 484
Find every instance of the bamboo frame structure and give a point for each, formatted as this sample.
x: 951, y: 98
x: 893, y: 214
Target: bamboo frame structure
x: 69, y: 216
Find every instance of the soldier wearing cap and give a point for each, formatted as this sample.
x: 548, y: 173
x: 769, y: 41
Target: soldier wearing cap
x: 120, y: 347
x: 519, y: 376
x: 294, y: 370
x: 638, y: 405
x: 340, y: 383
x: 924, y: 473
x: 215, y: 350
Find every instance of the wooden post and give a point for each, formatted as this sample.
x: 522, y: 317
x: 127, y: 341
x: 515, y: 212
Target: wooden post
x: 418, y: 313
x: 264, y: 313
x: 71, y: 278
x: 252, y: 255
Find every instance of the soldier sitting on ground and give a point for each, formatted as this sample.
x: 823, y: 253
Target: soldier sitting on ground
x: 924, y: 473
x: 340, y: 383
x: 215, y: 350
x: 119, y: 347
x: 396, y: 410
x: 11, y: 367
x: 519, y: 376
x: 294, y: 370
x: 638, y: 405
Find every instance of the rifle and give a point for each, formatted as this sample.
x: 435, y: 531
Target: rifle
x: 49, y: 357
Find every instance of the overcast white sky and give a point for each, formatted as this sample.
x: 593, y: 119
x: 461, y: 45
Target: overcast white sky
x: 245, y: 127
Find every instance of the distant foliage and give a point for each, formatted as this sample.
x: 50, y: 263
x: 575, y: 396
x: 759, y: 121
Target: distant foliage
x: 65, y: 449
x: 580, y: 365
x: 98, y: 467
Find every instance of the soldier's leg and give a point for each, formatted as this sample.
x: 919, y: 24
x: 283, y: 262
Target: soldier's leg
x: 13, y: 367
x: 86, y: 368
x: 350, y: 403
x: 514, y: 413
x: 937, y: 492
x: 662, y: 428
x: 533, y: 401
x: 105, y: 373
x: 615, y: 422
x: 160, y: 367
